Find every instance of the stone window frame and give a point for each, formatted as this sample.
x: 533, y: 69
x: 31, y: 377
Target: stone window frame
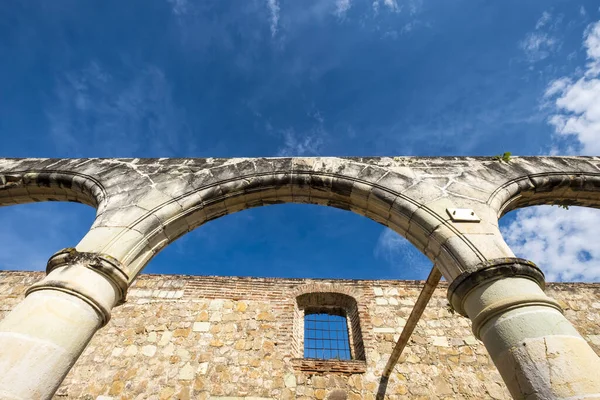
x: 336, y: 299
x: 334, y: 311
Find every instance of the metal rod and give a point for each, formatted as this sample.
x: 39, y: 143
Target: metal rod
x: 430, y: 284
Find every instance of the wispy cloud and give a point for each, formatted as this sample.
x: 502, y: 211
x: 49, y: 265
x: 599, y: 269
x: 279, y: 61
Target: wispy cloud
x: 541, y: 43
x: 273, y: 6
x: 341, y: 7
x: 411, y: 6
x: 375, y: 6
x: 543, y: 21
x: 558, y: 240
x: 392, y: 5
x: 400, y: 253
x: 576, y: 99
x: 96, y: 113
x: 179, y: 7
x: 389, y: 245
x: 199, y: 29
x: 304, y: 144
x: 309, y: 142
x: 538, y: 46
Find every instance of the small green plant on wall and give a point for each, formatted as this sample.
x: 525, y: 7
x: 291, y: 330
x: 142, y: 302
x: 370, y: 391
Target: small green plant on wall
x: 505, y: 157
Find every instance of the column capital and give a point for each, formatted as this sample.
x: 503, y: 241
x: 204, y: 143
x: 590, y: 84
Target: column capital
x: 98, y: 279
x: 488, y: 271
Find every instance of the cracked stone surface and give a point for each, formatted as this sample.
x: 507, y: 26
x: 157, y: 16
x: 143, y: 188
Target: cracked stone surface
x: 144, y: 204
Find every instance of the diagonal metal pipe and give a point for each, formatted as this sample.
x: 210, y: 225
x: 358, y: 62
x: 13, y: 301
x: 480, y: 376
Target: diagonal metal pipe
x: 430, y: 284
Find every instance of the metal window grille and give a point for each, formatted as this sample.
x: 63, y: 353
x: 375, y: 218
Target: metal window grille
x: 326, y: 337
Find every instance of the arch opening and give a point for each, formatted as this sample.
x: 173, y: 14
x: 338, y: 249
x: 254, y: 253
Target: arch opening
x: 401, y: 214
x: 561, y: 189
x: 40, y: 186
x: 293, y: 241
x: 560, y: 239
x: 32, y: 233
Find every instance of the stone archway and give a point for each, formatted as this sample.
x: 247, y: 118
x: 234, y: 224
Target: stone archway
x: 37, y: 184
x: 143, y: 205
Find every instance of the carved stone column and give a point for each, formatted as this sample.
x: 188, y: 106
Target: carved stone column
x: 43, y: 336
x: 538, y: 352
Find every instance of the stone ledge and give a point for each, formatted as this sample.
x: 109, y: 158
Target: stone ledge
x: 334, y: 366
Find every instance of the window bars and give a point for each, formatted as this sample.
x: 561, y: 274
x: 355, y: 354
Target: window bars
x: 326, y: 337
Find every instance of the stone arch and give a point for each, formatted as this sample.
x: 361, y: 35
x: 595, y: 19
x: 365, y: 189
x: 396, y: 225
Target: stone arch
x: 319, y: 287
x: 36, y: 186
x: 376, y: 194
x: 566, y: 188
x: 548, y: 188
x: 149, y: 203
x: 47, y: 185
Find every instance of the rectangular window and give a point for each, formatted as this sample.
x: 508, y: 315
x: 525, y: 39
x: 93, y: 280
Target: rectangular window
x: 326, y: 337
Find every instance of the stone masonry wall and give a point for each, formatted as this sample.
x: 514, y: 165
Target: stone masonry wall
x: 192, y: 337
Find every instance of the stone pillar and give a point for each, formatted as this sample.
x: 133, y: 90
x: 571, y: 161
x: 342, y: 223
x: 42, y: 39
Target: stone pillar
x: 537, y: 351
x: 43, y: 336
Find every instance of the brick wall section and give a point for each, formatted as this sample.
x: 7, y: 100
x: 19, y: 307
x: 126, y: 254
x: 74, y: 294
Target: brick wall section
x: 183, y: 337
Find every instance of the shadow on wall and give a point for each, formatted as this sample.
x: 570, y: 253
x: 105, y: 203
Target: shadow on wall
x: 31, y: 233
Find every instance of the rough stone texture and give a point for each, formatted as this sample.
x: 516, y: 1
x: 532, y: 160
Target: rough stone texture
x: 145, y: 204
x: 157, y: 345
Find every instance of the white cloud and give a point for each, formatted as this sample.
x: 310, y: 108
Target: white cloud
x: 538, y: 46
x: 274, y: 11
x: 341, y: 7
x: 557, y: 86
x: 376, y: 7
x: 577, y: 99
x: 413, y: 6
x: 392, y: 5
x: 396, y: 251
x: 544, y: 19
x: 561, y: 242
x: 592, y: 45
x: 96, y: 113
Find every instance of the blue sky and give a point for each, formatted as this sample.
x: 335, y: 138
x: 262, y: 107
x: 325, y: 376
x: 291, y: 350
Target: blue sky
x: 184, y: 78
